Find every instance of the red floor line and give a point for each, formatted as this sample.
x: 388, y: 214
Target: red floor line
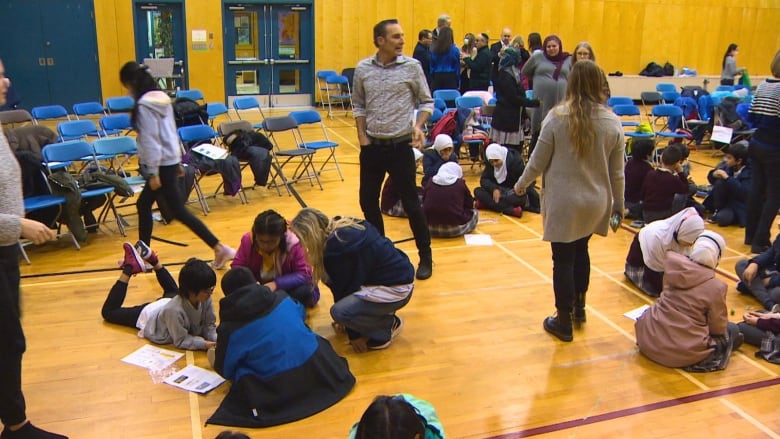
x: 550, y: 428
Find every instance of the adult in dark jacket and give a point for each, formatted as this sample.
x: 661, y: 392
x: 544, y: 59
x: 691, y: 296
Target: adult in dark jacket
x: 422, y: 52
x: 759, y: 276
x: 510, y: 101
x: 281, y: 370
x: 731, y: 181
x: 369, y: 277
x: 496, y: 186
x: 497, y: 51
x: 479, y: 64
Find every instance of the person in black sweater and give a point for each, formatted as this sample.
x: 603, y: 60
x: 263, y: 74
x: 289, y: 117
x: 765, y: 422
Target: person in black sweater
x: 636, y: 169
x: 731, y: 181
x: 510, y: 101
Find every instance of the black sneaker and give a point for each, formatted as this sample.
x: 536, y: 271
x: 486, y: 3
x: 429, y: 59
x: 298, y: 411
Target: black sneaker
x: 376, y: 345
x: 578, y: 317
x: 554, y: 326
x: 742, y: 288
x: 425, y: 269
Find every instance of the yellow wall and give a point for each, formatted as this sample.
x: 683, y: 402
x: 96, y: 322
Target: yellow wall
x: 625, y: 34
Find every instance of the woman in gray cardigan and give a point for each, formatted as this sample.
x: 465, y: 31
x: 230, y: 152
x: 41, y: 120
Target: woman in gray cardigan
x: 580, y: 158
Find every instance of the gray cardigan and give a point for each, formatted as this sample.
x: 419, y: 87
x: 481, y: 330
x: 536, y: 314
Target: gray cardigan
x: 182, y: 324
x: 11, y: 201
x: 578, y: 193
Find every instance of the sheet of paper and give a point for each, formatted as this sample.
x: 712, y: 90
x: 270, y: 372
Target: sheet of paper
x: 152, y: 357
x: 195, y: 379
x: 211, y: 151
x: 721, y: 134
x: 636, y: 313
x: 478, y: 239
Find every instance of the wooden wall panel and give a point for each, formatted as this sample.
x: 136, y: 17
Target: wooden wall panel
x: 206, y: 68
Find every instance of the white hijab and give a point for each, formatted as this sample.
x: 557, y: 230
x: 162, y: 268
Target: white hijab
x: 660, y: 236
x: 448, y: 174
x: 708, y: 249
x: 495, y: 151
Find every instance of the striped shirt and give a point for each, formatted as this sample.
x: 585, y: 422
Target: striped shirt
x: 765, y: 113
x: 387, y: 95
x: 11, y: 201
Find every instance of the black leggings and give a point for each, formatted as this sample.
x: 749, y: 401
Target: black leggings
x: 175, y: 200
x: 113, y: 312
x: 571, y: 272
x: 12, y: 344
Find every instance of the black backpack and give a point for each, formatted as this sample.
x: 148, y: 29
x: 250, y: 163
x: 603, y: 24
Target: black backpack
x: 693, y: 91
x: 244, y: 139
x: 668, y: 69
x: 187, y: 112
x: 652, y: 69
x: 727, y: 109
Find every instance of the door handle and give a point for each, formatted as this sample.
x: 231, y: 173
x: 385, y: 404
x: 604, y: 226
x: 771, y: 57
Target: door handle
x: 49, y: 61
x: 41, y: 61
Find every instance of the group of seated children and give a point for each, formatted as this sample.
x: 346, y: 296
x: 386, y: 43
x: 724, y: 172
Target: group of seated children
x: 657, y: 193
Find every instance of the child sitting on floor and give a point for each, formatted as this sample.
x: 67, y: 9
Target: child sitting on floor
x: 636, y: 169
x: 665, y: 190
x: 448, y: 204
x: 390, y: 201
x: 442, y: 153
x: 731, y: 181
x: 496, y: 187
x: 400, y: 417
x: 184, y: 315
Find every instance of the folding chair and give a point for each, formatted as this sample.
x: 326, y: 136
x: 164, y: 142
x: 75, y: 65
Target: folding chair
x: 203, y: 134
x: 312, y: 117
x: 49, y: 112
x: 216, y: 109
x: 89, y: 109
x: 322, y: 86
x: 619, y: 100
x: 226, y: 128
x: 447, y: 95
x: 14, y: 117
x: 304, y: 170
x: 115, y: 125
x: 665, y: 86
x: 667, y: 115
x: 628, y: 111
x: 118, y: 150
x: 119, y: 104
x: 478, y: 145
x: 81, y: 151
x: 669, y: 96
x: 340, y: 92
x: 194, y: 94
x: 439, y: 104
x: 76, y: 129
x: 650, y: 98
x: 244, y: 103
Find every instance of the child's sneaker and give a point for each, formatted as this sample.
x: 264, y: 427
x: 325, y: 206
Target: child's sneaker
x: 398, y: 325
x: 376, y: 345
x: 132, y: 260
x: 146, y: 253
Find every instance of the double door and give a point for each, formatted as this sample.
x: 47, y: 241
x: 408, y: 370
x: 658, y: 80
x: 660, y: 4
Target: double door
x: 160, y: 34
x: 269, y: 52
x: 49, y: 50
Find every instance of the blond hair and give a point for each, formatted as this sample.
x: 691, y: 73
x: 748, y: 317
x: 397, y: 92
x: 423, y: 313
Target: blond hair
x: 517, y: 41
x: 587, y: 46
x: 313, y: 229
x: 584, y: 94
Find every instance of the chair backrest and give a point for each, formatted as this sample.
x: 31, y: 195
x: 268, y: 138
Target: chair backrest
x: 667, y: 110
x: 193, y: 94
x: 665, y: 86
x: 226, y: 128
x: 651, y: 97
x: 626, y: 110
x: 439, y: 104
x: 245, y: 103
x: 119, y: 121
x: 76, y: 129
x: 303, y: 117
x: 323, y: 74
x: 88, y: 108
x: 619, y: 100
x: 486, y: 96
x: 114, y: 145
x: 669, y: 96
x: 278, y: 124
x: 15, y: 116
x: 215, y: 109
x: 67, y: 151
x: 336, y: 79
x: 49, y: 112
x: 120, y: 104
x: 446, y: 94
x: 194, y: 133
x: 469, y: 102
x: 725, y: 88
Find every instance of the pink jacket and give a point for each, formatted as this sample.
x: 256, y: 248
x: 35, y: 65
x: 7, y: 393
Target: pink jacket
x: 294, y: 267
x: 676, y: 331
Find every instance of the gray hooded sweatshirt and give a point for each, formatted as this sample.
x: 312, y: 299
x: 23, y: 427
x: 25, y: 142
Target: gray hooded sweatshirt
x: 158, y: 142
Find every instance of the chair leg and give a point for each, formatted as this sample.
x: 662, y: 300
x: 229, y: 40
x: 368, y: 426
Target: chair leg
x: 201, y: 199
x: 24, y: 253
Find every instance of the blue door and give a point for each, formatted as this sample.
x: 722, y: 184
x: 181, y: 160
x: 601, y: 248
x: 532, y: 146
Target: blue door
x: 269, y: 52
x: 160, y: 33
x: 50, y: 51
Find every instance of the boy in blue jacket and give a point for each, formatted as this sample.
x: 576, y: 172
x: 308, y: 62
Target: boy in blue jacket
x: 731, y: 181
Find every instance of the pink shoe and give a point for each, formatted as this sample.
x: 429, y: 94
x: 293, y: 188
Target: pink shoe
x: 132, y: 259
x: 222, y: 256
x: 147, y: 254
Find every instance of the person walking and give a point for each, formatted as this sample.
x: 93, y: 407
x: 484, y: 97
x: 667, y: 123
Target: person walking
x: 388, y: 86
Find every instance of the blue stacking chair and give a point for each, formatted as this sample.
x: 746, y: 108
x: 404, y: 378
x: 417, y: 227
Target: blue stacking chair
x: 322, y: 86
x: 619, y: 100
x: 631, y: 111
x: 89, y: 109
x: 665, y: 86
x: 670, y: 96
x: 49, y: 112
x: 77, y: 129
x: 447, y: 95
x: 119, y: 104
x: 194, y: 94
x: 244, y: 103
x: 115, y: 124
x: 338, y: 91
x: 305, y: 169
x: 312, y: 117
x: 80, y: 151
x: 216, y: 109
x: 670, y: 117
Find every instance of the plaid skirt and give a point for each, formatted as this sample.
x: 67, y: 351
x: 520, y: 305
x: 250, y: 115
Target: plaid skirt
x: 452, y: 231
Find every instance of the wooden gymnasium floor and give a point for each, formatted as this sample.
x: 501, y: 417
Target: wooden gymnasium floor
x: 473, y: 344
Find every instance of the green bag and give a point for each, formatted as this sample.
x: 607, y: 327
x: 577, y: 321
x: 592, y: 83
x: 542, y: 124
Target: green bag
x: 745, y: 80
x: 643, y: 127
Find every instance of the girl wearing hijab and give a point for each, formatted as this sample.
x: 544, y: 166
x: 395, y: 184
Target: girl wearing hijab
x: 549, y: 72
x: 648, y: 252
x: 580, y: 158
x: 442, y: 153
x: 510, y: 101
x: 688, y: 325
x: 495, y: 186
x: 448, y: 204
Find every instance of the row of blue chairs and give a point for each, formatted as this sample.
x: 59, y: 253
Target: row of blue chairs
x: 334, y: 88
